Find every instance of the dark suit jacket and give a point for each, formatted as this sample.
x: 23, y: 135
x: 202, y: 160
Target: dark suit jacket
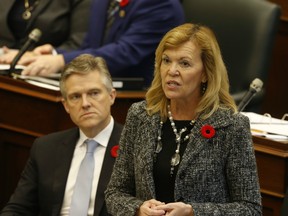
x: 41, y: 188
x: 63, y: 23
x: 133, y: 37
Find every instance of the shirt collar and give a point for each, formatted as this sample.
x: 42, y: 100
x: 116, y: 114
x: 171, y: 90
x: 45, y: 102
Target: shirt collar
x: 102, y: 138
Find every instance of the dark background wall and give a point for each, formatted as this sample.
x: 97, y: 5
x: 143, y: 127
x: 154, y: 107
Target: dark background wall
x: 276, y: 98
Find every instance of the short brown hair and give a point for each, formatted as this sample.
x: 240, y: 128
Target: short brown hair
x: 84, y: 64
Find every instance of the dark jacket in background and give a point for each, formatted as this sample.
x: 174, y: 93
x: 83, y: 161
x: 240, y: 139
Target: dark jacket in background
x: 63, y: 23
x: 41, y: 188
x: 133, y: 38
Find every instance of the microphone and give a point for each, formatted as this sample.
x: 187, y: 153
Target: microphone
x: 255, y: 87
x: 33, y: 38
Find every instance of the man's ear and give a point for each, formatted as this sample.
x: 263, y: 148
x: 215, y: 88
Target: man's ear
x: 113, y: 96
x: 64, y: 102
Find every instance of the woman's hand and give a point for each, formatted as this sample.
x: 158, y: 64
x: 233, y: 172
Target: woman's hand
x: 148, y: 208
x: 176, y: 209
x: 9, y: 54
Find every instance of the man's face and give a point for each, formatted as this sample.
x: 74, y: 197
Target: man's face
x: 88, y: 102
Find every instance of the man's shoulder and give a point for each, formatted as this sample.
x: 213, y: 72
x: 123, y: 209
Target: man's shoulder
x: 60, y: 135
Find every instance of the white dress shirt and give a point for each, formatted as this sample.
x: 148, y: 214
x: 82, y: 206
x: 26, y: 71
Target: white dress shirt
x: 79, y: 153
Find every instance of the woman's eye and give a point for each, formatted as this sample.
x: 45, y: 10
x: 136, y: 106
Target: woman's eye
x: 185, y: 64
x: 165, y: 60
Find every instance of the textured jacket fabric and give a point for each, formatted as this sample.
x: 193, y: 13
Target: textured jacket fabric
x: 217, y: 176
x: 63, y: 23
x: 41, y: 188
x: 137, y: 29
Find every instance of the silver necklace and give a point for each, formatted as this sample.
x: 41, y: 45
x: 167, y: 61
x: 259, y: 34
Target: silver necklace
x: 28, y: 9
x: 176, y: 158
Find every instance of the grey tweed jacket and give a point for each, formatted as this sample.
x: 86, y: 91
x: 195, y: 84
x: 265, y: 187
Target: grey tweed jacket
x: 217, y: 176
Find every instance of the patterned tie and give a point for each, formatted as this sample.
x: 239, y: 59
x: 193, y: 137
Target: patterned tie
x: 112, y: 9
x: 83, y: 185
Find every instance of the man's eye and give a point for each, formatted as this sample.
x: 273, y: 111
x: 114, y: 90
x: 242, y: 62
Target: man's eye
x: 74, y: 97
x: 93, y: 94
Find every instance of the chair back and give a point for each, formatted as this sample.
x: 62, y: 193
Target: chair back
x: 245, y: 30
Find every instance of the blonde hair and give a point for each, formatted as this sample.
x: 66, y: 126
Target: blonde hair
x: 84, y: 64
x: 217, y: 92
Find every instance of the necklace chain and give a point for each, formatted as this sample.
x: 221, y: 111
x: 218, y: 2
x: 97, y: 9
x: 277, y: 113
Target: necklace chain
x: 176, y: 158
x: 28, y: 9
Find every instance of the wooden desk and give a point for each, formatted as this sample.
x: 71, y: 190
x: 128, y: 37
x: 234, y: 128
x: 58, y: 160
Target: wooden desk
x: 27, y: 112
x: 272, y: 163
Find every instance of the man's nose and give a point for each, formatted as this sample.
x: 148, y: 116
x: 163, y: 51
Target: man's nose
x: 85, y: 100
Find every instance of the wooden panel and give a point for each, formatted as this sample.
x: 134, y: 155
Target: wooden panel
x: 271, y: 205
x: 272, y: 164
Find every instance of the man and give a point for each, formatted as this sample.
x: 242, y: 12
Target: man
x: 48, y: 181
x: 128, y: 45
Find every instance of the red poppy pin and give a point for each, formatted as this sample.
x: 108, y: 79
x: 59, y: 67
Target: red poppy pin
x: 114, y: 151
x: 208, y: 131
x: 123, y: 3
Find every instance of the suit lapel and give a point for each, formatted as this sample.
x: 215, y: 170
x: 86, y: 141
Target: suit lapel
x: 96, y: 25
x: 195, y: 145
x: 147, y: 151
x: 38, y: 10
x: 106, y: 170
x: 120, y: 17
x: 197, y: 142
x: 65, y: 151
x: 7, y: 4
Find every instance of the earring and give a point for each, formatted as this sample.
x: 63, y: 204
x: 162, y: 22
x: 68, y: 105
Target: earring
x: 203, y: 87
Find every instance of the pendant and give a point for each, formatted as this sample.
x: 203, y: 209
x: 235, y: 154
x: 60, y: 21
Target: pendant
x: 175, y: 160
x: 159, y: 147
x: 122, y: 13
x: 26, y: 15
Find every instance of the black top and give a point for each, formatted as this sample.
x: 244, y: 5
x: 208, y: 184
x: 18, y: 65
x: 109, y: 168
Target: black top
x: 16, y: 23
x: 164, y: 182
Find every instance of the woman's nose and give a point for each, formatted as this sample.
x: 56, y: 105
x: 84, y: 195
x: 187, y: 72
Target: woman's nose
x: 173, y: 70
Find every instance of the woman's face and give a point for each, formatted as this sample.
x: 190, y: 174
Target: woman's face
x: 182, y: 72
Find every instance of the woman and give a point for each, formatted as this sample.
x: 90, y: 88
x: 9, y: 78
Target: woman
x: 63, y: 23
x: 186, y: 150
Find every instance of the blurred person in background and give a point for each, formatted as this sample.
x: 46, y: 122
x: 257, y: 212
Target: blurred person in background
x: 124, y: 32
x: 63, y: 23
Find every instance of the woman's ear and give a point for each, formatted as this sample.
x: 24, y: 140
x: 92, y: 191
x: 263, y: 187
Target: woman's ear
x: 204, y: 77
